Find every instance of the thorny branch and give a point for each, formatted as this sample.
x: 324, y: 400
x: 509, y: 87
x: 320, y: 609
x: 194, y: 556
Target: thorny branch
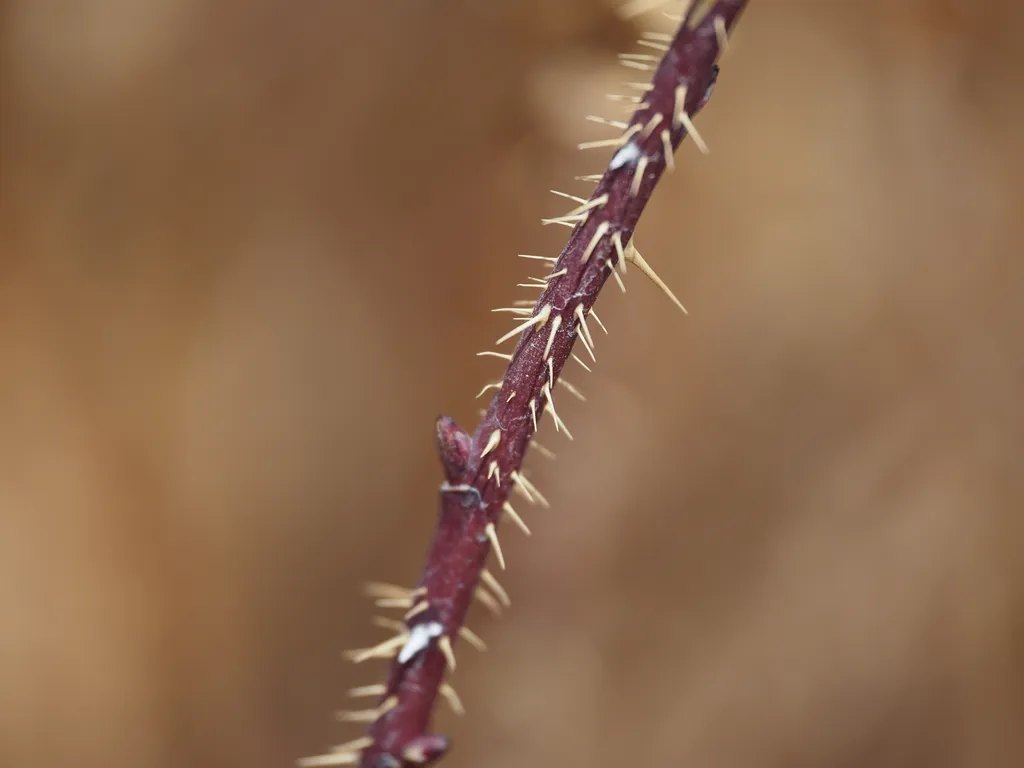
x: 482, y: 470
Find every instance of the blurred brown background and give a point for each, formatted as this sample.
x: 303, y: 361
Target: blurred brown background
x: 248, y: 251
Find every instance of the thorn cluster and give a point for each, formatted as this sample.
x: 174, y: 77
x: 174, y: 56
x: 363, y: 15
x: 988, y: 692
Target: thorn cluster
x: 482, y: 470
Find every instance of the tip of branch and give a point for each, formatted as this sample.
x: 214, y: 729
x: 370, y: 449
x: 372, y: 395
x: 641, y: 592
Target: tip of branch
x: 453, y: 443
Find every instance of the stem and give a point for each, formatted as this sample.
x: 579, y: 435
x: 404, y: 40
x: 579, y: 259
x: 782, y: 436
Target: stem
x: 482, y: 470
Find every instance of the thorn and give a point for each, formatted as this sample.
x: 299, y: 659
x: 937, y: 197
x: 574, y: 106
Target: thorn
x: 533, y: 413
x: 579, y: 360
x: 533, y: 489
x: 567, y: 196
x: 452, y: 698
x: 617, y: 276
x: 540, y: 258
x: 617, y: 242
x: 651, y: 44
x: 593, y: 177
x: 611, y: 123
x: 593, y: 314
x: 634, y: 255
x: 545, y: 452
x: 570, y: 220
x: 588, y: 347
x: 331, y: 758
x: 515, y: 310
x: 581, y: 321
x: 369, y: 715
x: 639, y: 57
x: 572, y: 389
x: 659, y: 36
x: 556, y: 275
x: 493, y: 385
x: 616, y: 142
x: 681, y: 118
x: 539, y: 319
x: 383, y: 589
x: 368, y: 690
x: 530, y: 285
x: 636, y: 65
x: 555, y: 324
x: 394, y: 602
x: 494, y: 471
x: 601, y: 231
x: 472, y: 638
x: 488, y: 601
x: 511, y: 397
x: 490, y: 581
x: 639, y: 86
x: 515, y: 517
x: 492, y: 442
x: 551, y: 372
x: 445, y: 644
x: 416, y: 610
x: 638, y: 176
x: 492, y: 534
x: 521, y: 487
x: 385, y: 650
x: 722, y: 34
x: 666, y: 143
x: 550, y: 406
x: 590, y: 205
x: 502, y: 355
x: 635, y: 8
x: 524, y: 303
x: 653, y: 123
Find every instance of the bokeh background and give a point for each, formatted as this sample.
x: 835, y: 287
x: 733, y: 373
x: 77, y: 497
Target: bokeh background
x: 247, y: 253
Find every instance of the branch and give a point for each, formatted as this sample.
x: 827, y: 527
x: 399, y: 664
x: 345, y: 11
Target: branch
x: 482, y: 470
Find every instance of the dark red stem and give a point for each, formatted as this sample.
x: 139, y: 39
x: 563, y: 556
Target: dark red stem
x: 480, y: 470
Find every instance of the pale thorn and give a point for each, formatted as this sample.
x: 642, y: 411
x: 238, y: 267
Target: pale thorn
x: 377, y: 689
x: 494, y: 471
x: 604, y: 121
x: 551, y: 372
x: 660, y: 37
x: 592, y: 178
x: 569, y: 219
x: 539, y: 319
x: 636, y: 65
x: 533, y: 489
x: 492, y: 534
x: 593, y: 314
x: 620, y: 251
x: 519, y: 486
x: 524, y: 303
x: 472, y: 638
x: 502, y: 355
x: 653, y: 123
x: 638, y: 176
x: 488, y: 601
x: 361, y: 716
x: 416, y: 610
x: 639, y: 57
x: 493, y: 385
x: 492, y: 442
x: 531, y: 285
x: 511, y: 397
x: 555, y: 324
x: 623, y: 97
x: 572, y: 389
x: 445, y: 644
x: 601, y: 231
x: 666, y: 143
x: 547, y: 453
x: 586, y: 346
x: 383, y: 589
x: 550, y: 406
x: 618, y: 278
x: 452, y: 698
x: 568, y: 224
x: 540, y: 258
x: 581, y: 321
x: 579, y: 360
x: 588, y: 205
x: 331, y: 758
x: 488, y: 578
x: 651, y: 44
x: 385, y: 650
x: 513, y: 310
x: 387, y: 705
x: 356, y: 745
x: 394, y: 602
x: 634, y: 255
x: 691, y: 129
x: 636, y: 8
x: 515, y: 517
x: 533, y: 413
x: 540, y: 281
x: 555, y: 275
x: 567, y: 196
x: 639, y: 86
x: 616, y: 142
x: 679, y: 107
x: 385, y: 623
x: 722, y: 34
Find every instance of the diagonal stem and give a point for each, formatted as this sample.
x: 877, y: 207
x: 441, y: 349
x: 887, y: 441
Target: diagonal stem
x: 481, y: 470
